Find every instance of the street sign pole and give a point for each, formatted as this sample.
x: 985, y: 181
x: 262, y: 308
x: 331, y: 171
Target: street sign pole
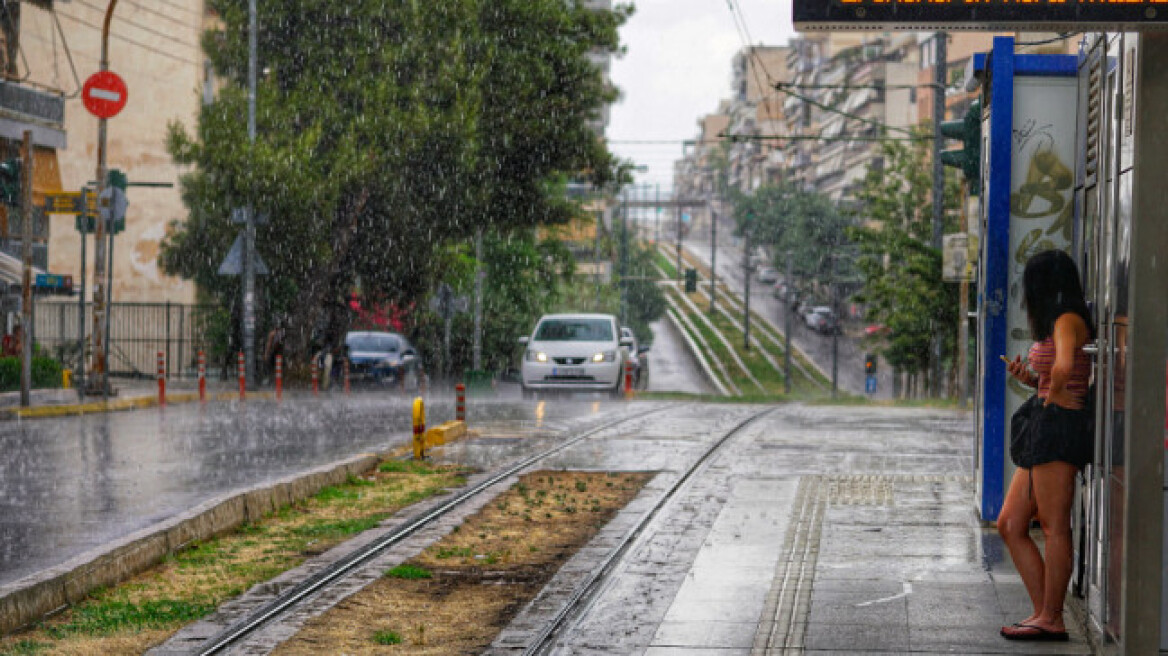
x: 249, y: 286
x: 100, y: 319
x: 26, y: 278
x: 80, y: 373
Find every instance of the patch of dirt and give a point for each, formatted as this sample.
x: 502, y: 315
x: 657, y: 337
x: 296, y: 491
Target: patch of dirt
x: 480, y: 575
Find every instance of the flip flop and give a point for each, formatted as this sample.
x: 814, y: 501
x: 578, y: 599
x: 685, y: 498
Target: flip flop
x: 1033, y: 633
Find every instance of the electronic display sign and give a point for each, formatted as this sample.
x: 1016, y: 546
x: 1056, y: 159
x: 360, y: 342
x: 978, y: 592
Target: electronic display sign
x: 1040, y: 15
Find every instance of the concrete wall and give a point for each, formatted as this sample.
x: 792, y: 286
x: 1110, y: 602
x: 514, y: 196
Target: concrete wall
x: 154, y: 47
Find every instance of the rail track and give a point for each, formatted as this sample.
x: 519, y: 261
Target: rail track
x: 239, y: 631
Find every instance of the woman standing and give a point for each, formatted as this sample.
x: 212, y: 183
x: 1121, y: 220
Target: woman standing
x: 1052, y: 439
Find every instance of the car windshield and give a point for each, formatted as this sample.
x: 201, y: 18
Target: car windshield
x: 372, y: 343
x: 574, y: 330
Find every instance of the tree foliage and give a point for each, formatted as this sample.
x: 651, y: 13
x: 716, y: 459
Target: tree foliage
x: 806, y: 224
x: 386, y: 130
x: 903, y: 288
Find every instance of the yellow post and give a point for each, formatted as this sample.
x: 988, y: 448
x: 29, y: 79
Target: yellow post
x: 67, y: 378
x: 419, y: 429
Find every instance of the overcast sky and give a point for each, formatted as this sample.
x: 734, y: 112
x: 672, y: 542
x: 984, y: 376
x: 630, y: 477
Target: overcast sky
x: 677, y: 69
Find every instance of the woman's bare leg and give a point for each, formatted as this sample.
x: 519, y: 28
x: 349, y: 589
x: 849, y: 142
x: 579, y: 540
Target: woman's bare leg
x: 1014, y: 527
x: 1054, y: 489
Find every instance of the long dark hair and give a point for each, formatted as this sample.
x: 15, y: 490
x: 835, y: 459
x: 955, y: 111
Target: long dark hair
x: 1050, y: 289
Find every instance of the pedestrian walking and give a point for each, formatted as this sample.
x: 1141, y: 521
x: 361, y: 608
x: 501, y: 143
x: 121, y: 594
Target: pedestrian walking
x: 1051, y: 439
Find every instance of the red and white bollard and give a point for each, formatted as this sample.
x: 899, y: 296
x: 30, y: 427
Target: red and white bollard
x: 202, y: 378
x: 315, y: 379
x: 279, y: 378
x: 161, y: 378
x: 628, y: 379
x: 242, y: 377
x: 345, y: 367
x: 460, y: 405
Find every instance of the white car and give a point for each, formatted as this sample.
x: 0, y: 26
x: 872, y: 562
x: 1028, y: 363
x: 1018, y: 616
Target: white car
x: 573, y: 352
x: 768, y: 274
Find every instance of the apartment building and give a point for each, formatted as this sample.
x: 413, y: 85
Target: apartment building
x: 695, y: 174
x: 755, y: 116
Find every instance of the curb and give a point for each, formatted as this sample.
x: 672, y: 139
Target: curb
x: 443, y: 433
x: 135, y: 403
x: 672, y: 313
x: 28, y: 600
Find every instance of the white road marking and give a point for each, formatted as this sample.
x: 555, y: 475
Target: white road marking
x: 907, y: 592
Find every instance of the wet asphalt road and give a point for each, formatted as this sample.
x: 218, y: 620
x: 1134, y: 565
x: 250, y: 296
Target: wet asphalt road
x: 816, y: 346
x: 70, y: 485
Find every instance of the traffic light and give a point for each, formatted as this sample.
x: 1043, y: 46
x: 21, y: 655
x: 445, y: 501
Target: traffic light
x: 870, y: 365
x: 691, y: 281
x: 11, y: 185
x: 968, y: 159
x: 117, y: 178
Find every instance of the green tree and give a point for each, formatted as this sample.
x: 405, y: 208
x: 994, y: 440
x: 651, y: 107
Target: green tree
x: 903, y: 288
x: 807, y: 224
x: 386, y: 129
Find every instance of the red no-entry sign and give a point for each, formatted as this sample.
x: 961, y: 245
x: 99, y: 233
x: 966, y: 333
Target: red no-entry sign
x: 104, y: 94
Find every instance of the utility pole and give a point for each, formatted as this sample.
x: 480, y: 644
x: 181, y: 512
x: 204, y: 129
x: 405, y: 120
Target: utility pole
x: 81, y: 386
x: 835, y: 297
x: 100, y: 374
x: 657, y: 217
x: 624, y: 259
x: 477, y: 354
x: 26, y: 274
x: 787, y: 328
x: 677, y: 214
x: 713, y: 259
x: 941, y: 80
x: 746, y: 269
x: 249, y: 232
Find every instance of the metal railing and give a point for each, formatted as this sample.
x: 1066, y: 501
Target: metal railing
x: 138, y: 331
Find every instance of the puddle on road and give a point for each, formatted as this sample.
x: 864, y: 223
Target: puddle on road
x: 459, y: 593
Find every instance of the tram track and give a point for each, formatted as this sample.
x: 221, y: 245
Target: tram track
x: 255, y: 621
x: 589, y: 590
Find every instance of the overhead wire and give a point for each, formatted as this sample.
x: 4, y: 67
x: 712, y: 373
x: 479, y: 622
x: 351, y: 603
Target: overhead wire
x: 160, y: 14
x: 144, y: 28
x: 130, y: 41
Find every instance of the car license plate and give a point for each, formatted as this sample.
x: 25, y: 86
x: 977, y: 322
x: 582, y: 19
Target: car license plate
x: 568, y: 371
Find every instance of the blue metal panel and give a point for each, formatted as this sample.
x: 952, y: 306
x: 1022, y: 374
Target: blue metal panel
x: 1046, y: 65
x: 996, y: 271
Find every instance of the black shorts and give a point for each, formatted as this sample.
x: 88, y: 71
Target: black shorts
x: 1040, y: 434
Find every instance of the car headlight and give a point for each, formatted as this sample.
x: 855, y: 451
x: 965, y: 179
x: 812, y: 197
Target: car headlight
x: 536, y: 356
x: 388, y: 363
x: 604, y: 356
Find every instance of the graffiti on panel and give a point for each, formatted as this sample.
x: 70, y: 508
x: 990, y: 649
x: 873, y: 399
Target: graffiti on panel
x: 1041, y: 195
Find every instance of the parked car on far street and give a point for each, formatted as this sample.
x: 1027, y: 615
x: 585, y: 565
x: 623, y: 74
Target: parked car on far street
x: 382, y: 358
x: 767, y: 274
x: 822, y: 319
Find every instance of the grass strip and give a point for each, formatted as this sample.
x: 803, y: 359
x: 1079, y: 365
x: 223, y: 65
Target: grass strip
x: 145, y: 610
x: 484, y: 572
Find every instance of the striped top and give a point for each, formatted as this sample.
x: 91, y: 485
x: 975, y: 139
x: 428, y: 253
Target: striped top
x: 1041, y: 359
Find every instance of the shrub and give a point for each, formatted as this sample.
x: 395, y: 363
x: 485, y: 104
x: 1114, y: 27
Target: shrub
x: 46, y: 373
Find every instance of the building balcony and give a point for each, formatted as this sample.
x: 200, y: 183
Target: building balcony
x: 24, y: 107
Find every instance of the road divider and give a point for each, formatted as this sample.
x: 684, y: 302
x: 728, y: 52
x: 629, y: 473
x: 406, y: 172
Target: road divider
x: 672, y: 313
x: 730, y: 350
